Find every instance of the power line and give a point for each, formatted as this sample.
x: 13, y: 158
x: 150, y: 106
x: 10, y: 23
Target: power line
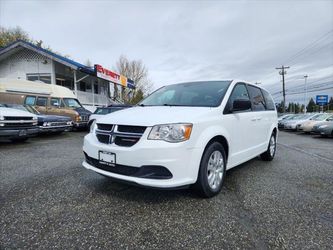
x: 307, y: 47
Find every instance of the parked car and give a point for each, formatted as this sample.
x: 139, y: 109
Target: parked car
x: 101, y: 111
x: 281, y: 122
x: 295, y: 122
x: 318, y: 119
x: 185, y: 134
x: 285, y: 116
x: 324, y: 128
x: 47, y: 123
x: 48, y: 99
x: 17, y: 125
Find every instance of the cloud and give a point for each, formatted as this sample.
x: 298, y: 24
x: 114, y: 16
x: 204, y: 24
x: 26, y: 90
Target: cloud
x: 186, y: 40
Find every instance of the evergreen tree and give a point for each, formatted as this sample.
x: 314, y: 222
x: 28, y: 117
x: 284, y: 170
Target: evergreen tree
x: 311, y: 107
x: 330, y: 103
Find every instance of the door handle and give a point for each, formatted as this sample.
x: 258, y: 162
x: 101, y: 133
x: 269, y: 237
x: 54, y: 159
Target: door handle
x: 258, y: 118
x: 253, y: 119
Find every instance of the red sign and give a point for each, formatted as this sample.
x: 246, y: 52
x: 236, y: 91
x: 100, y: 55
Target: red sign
x: 107, y: 74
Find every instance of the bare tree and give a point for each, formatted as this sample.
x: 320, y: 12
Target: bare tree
x: 136, y: 71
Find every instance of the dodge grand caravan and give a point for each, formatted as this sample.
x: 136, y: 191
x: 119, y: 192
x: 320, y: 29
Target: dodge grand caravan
x: 185, y: 134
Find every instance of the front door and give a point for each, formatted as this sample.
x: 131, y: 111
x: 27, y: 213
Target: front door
x: 241, y: 126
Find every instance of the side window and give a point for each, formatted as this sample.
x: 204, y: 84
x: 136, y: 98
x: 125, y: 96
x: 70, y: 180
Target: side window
x: 269, y: 101
x: 55, y: 102
x: 30, y: 100
x: 41, y: 101
x: 257, y: 99
x: 239, y: 92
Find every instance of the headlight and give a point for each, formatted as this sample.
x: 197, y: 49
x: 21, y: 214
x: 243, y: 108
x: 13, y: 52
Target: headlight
x: 2, y: 118
x: 171, y: 132
x: 323, y: 126
x: 46, y: 124
x: 93, y: 127
x: 69, y: 123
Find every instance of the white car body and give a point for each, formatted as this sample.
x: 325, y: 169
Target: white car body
x: 247, y: 135
x: 17, y: 123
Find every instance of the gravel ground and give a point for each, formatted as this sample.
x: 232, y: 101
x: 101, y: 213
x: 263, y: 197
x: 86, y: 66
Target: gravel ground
x: 47, y: 200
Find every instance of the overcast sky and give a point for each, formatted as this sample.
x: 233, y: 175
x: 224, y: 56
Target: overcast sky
x: 190, y: 40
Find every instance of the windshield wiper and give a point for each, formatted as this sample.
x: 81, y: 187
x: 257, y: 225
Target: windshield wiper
x: 170, y: 105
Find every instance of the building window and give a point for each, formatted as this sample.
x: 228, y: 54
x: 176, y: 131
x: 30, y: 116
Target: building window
x: 96, y: 88
x: 44, y: 77
x: 82, y: 86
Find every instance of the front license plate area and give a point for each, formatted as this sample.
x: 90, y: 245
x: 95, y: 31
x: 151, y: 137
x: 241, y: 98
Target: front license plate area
x: 22, y: 133
x: 107, y: 158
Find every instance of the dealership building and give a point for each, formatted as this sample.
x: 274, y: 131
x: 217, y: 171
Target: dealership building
x: 93, y: 86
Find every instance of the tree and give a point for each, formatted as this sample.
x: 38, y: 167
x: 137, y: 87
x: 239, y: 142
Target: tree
x: 330, y: 103
x: 311, y: 107
x: 136, y: 71
x: 10, y: 35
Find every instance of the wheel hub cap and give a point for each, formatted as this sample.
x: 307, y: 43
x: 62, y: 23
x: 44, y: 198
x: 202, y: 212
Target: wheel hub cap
x: 215, y: 169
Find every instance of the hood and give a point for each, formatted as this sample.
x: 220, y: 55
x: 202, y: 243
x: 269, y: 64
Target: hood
x: 53, y: 118
x: 82, y: 111
x: 323, y: 123
x: 15, y: 112
x: 150, y: 116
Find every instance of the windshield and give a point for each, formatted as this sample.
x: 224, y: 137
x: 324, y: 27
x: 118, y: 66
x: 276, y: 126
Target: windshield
x: 197, y: 94
x: 72, y: 103
x: 104, y: 111
x: 321, y: 117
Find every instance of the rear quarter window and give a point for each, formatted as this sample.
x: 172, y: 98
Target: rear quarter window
x: 257, y: 98
x: 269, y: 101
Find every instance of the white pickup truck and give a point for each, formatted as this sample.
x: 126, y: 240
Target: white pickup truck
x: 17, y: 125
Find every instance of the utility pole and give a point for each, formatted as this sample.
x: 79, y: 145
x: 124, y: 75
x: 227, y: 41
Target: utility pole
x: 283, y: 72
x: 305, y: 95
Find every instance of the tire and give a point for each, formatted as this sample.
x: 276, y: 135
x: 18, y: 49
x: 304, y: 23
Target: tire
x: 19, y: 139
x: 212, y: 166
x: 269, y: 154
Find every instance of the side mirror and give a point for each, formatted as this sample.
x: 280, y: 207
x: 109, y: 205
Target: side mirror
x: 240, y: 105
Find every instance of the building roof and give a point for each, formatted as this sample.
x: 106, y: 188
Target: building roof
x: 19, y: 44
x: 49, y: 54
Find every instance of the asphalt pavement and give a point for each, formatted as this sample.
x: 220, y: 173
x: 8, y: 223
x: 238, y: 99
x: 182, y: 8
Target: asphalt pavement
x: 48, y: 200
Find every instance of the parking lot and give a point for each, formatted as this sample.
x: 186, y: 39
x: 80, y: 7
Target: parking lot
x: 48, y: 199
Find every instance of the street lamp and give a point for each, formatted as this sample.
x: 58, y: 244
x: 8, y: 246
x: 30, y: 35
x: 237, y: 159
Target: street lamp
x: 305, y: 94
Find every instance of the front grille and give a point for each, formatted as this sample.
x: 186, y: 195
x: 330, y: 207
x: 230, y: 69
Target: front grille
x: 58, y: 123
x: 10, y: 124
x: 84, y: 118
x: 131, y: 129
x: 107, y: 127
x: 121, y: 135
x: 17, y: 118
x: 103, y: 138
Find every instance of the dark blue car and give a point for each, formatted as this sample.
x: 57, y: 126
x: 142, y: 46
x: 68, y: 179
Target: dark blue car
x: 46, y: 123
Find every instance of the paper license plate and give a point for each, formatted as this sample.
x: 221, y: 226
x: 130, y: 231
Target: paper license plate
x: 107, y: 158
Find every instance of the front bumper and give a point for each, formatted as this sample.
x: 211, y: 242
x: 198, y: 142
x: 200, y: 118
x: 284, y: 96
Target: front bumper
x: 44, y: 129
x: 17, y: 132
x: 179, y: 159
x: 80, y: 124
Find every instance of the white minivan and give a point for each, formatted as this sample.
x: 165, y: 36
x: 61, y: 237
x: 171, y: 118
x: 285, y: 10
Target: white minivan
x: 185, y: 134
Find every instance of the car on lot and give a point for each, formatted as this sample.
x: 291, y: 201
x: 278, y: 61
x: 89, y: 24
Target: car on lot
x: 101, y: 111
x: 284, y: 120
x: 48, y: 99
x: 185, y: 134
x: 318, y: 119
x: 324, y: 128
x: 46, y: 123
x: 17, y: 125
x: 295, y: 122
